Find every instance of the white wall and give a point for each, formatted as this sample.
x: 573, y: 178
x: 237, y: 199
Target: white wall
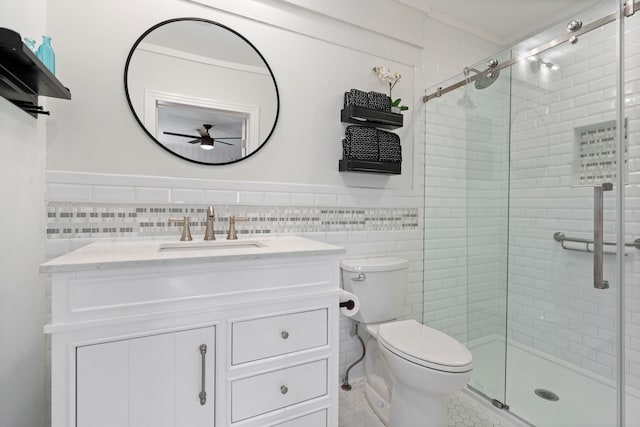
x: 315, y: 58
x: 97, y: 133
x: 22, y: 290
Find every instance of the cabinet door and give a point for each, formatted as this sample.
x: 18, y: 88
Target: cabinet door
x: 149, y: 381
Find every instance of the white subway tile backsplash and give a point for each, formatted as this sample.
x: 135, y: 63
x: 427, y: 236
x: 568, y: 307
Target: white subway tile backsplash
x: 107, y: 194
x: 303, y: 199
x: 347, y: 200
x: 251, y: 197
x: 225, y: 197
x: 152, y: 195
x: 60, y: 192
x: 277, y: 199
x: 326, y: 200
x: 186, y: 195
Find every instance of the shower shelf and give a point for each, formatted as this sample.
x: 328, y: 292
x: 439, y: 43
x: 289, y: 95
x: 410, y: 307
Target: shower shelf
x: 560, y: 237
x: 23, y: 77
x: 353, y: 165
x: 369, y: 117
x: 372, y: 118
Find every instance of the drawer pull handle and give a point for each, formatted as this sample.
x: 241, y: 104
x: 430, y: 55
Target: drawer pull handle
x: 284, y: 334
x: 284, y: 389
x: 203, y: 394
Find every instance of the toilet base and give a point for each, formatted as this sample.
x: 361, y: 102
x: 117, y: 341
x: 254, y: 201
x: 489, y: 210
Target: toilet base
x: 409, y: 408
x: 378, y: 404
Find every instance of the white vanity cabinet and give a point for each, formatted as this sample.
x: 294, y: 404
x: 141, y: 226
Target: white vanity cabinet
x: 162, y: 380
x: 254, y: 340
x: 129, y: 322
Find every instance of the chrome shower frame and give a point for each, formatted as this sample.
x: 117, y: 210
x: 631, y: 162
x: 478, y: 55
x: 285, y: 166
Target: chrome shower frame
x: 574, y: 32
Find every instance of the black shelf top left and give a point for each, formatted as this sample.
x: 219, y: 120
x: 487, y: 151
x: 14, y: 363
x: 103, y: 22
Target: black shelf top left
x: 22, y: 75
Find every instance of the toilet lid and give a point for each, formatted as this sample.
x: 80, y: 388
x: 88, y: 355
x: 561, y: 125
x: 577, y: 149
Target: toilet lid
x: 425, y: 346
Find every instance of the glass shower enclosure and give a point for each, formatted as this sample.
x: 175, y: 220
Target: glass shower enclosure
x: 532, y: 219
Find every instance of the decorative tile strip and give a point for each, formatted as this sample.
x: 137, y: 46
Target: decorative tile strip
x: 99, y: 220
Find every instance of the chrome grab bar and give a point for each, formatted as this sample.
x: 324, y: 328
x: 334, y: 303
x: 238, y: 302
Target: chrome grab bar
x: 560, y: 237
x: 598, y: 234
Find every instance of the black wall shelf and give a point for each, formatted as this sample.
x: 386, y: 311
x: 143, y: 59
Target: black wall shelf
x: 23, y: 77
x: 353, y: 165
x: 369, y: 117
x: 373, y: 118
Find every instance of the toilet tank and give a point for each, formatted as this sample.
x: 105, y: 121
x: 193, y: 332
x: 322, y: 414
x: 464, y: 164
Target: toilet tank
x: 379, y: 283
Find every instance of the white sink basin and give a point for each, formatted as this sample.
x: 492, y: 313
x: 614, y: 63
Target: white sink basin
x: 210, y: 245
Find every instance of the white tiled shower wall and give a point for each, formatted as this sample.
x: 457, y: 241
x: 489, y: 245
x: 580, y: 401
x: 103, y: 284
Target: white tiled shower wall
x: 80, y: 189
x: 466, y: 179
x: 553, y: 306
x: 445, y: 265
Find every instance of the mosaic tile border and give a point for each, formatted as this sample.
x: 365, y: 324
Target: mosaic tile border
x: 70, y: 220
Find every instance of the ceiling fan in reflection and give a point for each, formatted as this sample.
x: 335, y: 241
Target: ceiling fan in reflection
x: 205, y: 139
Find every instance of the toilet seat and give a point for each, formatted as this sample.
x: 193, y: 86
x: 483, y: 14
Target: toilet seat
x: 424, y: 346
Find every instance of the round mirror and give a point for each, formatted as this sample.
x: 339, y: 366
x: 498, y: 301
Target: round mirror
x: 201, y: 91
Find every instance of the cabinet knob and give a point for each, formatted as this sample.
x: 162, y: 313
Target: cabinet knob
x: 284, y: 334
x: 284, y: 389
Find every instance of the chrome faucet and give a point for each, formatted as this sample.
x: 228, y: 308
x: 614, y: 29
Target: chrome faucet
x: 208, y: 232
x: 232, y: 234
x: 186, y: 231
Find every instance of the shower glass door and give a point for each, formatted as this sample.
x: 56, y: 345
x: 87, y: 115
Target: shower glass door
x: 487, y: 111
x: 562, y: 352
x: 532, y: 224
x: 631, y: 262
x: 541, y: 152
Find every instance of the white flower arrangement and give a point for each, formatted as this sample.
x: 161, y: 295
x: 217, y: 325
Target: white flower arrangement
x: 386, y: 75
x: 391, y: 78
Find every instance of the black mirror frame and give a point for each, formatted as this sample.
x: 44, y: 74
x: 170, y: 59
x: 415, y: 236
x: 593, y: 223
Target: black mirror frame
x: 135, y: 115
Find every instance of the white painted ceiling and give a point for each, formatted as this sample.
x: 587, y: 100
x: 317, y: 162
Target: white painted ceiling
x: 503, y: 22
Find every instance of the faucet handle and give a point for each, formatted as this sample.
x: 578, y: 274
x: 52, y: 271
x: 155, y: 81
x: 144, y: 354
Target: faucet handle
x: 232, y: 234
x: 186, y: 231
x: 210, y: 212
x: 209, y: 233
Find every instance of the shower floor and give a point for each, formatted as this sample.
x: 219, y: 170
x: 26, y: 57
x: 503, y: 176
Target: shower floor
x: 584, y: 400
x: 464, y: 411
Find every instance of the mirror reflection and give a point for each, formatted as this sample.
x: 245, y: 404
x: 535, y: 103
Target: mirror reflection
x: 202, y: 91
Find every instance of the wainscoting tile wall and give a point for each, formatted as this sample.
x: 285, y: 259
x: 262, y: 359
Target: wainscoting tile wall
x: 84, y: 207
x: 99, y: 220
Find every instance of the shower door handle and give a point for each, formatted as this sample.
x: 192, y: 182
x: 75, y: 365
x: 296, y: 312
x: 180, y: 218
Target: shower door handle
x: 598, y: 235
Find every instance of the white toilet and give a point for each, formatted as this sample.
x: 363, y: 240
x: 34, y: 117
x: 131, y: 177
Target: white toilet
x: 410, y: 368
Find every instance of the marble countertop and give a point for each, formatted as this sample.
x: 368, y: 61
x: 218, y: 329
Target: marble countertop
x: 112, y: 253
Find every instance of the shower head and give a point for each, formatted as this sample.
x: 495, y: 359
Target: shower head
x: 484, y: 79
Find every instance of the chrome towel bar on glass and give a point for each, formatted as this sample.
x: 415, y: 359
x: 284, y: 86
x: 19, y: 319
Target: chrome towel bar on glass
x: 560, y: 237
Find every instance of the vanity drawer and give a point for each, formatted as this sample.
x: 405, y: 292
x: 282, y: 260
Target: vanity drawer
x: 316, y: 419
x: 271, y: 336
x: 274, y: 390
